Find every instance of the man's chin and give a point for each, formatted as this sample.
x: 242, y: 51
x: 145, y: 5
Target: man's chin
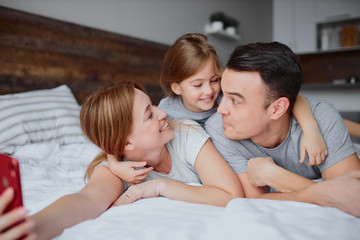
x: 229, y: 135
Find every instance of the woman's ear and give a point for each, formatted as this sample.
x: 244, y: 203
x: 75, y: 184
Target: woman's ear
x: 129, y: 146
x: 279, y: 108
x: 175, y: 87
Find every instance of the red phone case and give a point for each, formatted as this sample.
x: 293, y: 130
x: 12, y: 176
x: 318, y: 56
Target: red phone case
x: 10, y: 177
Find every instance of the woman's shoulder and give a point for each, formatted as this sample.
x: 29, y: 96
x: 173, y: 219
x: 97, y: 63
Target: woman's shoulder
x: 186, y: 128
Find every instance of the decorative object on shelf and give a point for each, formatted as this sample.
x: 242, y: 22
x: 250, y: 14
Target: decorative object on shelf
x: 217, y: 21
x: 349, y: 36
x: 338, y: 34
x: 222, y: 26
x: 231, y: 25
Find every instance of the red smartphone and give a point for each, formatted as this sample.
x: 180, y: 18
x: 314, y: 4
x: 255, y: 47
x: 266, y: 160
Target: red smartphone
x: 10, y: 177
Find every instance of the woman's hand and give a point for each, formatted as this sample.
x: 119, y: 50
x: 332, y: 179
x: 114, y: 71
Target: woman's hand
x: 147, y: 189
x: 7, y: 230
x: 313, y: 143
x: 126, y: 170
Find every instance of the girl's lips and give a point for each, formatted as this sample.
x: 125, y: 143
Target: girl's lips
x: 207, y: 100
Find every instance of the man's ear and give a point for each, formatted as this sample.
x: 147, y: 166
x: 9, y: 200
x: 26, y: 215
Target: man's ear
x: 175, y: 87
x: 279, y: 107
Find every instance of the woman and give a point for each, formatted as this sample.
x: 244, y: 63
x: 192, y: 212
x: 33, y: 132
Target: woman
x: 122, y: 121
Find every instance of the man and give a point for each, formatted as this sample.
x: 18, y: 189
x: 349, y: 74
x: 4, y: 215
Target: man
x: 260, y: 139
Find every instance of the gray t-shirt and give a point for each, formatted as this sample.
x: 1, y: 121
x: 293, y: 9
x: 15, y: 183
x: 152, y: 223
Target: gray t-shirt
x: 184, y: 148
x: 287, y: 154
x: 175, y: 108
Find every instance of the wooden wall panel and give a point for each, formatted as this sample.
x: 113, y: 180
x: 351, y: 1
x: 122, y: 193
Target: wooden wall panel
x: 38, y: 52
x: 327, y: 67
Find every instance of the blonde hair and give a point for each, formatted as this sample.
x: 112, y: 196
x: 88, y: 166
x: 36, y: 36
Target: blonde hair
x: 106, y: 119
x: 185, y: 58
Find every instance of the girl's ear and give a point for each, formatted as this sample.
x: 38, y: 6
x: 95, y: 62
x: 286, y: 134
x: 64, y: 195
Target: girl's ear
x: 175, y: 87
x: 279, y: 107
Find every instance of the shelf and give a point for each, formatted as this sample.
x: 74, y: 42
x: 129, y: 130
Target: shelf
x: 223, y: 35
x: 329, y: 85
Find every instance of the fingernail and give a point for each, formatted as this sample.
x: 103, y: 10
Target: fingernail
x: 9, y: 191
x: 22, y: 212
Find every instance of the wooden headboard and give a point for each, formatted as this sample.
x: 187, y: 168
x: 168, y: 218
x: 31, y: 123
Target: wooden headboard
x: 38, y: 52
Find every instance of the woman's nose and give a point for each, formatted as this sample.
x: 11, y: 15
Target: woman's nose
x: 161, y: 114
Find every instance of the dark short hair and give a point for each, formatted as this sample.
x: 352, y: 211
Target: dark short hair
x: 277, y: 64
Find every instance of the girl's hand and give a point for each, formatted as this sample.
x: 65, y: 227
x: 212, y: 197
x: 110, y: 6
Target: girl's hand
x: 126, y: 170
x: 147, y: 189
x: 7, y: 230
x: 314, y: 144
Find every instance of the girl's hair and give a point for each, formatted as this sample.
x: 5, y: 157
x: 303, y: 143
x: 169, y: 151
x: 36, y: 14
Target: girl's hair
x: 106, y: 119
x: 185, y: 58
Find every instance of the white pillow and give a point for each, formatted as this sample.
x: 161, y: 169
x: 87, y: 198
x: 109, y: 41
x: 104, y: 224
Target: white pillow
x: 39, y: 116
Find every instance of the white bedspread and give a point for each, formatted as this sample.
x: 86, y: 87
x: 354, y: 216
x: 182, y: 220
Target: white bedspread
x: 49, y: 171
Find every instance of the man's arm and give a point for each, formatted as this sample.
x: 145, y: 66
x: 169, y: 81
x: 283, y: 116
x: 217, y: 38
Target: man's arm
x: 262, y: 171
x: 342, y: 192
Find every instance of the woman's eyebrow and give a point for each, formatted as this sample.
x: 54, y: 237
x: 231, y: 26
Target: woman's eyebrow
x: 148, y: 108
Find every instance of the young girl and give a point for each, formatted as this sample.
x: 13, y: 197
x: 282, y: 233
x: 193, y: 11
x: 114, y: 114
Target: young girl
x: 191, y: 77
x: 122, y: 121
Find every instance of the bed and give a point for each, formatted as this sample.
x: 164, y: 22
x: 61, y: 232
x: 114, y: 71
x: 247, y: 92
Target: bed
x: 41, y: 129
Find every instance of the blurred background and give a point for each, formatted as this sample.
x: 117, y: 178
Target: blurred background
x: 324, y: 33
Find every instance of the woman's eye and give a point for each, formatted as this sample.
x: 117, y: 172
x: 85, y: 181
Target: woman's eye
x: 235, y: 102
x: 215, y: 80
x: 197, y: 85
x: 151, y: 115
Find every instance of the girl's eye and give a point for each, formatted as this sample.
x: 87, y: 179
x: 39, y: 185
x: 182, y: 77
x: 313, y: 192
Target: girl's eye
x: 197, y: 85
x: 215, y: 80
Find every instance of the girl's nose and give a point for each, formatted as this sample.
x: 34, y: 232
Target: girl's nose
x: 208, y: 89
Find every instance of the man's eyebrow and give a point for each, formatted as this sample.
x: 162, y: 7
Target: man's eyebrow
x: 239, y: 95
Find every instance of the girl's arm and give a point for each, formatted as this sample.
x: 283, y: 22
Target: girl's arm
x: 96, y: 197
x: 312, y: 141
x: 353, y: 128
x: 127, y: 170
x: 220, y: 184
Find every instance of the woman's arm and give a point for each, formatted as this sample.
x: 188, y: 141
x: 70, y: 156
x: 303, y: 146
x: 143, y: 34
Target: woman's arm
x: 96, y: 197
x: 352, y: 127
x: 312, y: 141
x: 220, y: 184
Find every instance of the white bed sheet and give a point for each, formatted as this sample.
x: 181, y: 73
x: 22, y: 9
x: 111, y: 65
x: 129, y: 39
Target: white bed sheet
x: 49, y: 171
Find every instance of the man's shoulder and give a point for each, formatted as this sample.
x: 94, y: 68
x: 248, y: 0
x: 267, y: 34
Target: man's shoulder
x: 214, y: 121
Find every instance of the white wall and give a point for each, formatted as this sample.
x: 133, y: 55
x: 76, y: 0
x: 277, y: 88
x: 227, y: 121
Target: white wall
x: 158, y: 20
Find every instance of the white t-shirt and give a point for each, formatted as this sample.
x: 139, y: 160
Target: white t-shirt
x: 189, y: 138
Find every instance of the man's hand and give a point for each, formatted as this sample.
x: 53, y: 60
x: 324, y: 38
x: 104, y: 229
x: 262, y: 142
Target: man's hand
x: 260, y: 169
x: 342, y: 192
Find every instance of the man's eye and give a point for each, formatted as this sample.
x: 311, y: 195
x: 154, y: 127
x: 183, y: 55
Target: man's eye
x: 235, y: 101
x: 151, y: 115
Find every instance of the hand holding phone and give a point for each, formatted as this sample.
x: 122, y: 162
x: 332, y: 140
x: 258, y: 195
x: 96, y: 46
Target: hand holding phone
x: 12, y: 214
